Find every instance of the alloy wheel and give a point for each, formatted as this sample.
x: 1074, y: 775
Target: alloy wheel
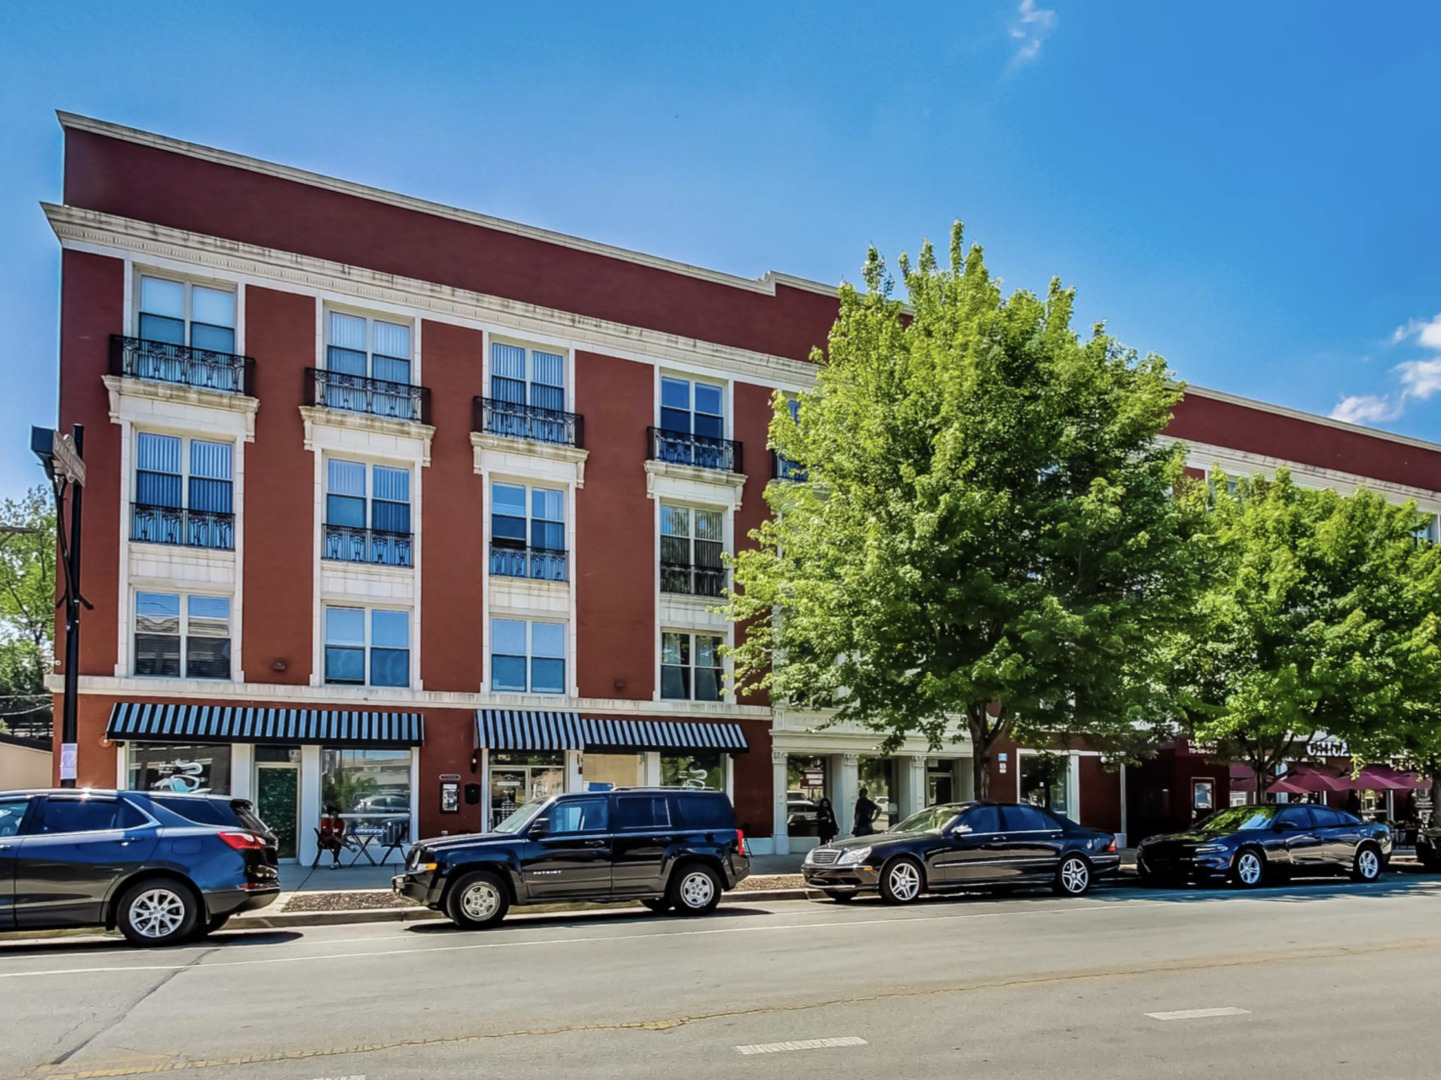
x: 696, y: 890
x: 1368, y: 866
x: 1075, y: 877
x: 1248, y: 868
x: 905, y: 881
x: 480, y: 901
x: 157, y: 913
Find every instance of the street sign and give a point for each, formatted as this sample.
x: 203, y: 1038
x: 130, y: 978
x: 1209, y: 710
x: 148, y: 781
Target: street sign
x: 59, y: 452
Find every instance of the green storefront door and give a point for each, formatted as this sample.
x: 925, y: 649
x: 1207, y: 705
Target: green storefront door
x: 277, y: 798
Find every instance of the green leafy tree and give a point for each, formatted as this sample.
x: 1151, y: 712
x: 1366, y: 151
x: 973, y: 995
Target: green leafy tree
x: 985, y: 538
x: 1318, y: 615
x: 27, y: 602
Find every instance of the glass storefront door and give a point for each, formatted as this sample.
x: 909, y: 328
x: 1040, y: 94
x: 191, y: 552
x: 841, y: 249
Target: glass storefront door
x: 805, y: 788
x: 518, y: 778
x: 1046, y: 781
x: 277, y: 801
x: 878, y: 776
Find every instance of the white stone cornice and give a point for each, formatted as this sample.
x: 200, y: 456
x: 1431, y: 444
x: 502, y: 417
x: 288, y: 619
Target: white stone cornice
x: 107, y: 234
x: 542, y: 460
x: 687, y: 483
x: 415, y: 433
x: 173, y: 394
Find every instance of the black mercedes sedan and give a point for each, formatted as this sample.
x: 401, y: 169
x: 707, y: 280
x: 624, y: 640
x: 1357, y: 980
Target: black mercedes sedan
x: 1249, y: 844
x: 161, y: 867
x: 964, y: 845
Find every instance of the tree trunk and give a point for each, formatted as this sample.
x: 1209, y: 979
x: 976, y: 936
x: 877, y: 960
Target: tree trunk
x: 981, y: 770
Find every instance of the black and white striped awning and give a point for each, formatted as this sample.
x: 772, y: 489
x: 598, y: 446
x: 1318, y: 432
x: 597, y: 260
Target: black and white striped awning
x: 148, y: 722
x: 515, y: 729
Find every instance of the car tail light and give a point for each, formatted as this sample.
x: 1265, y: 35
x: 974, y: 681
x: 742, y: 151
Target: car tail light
x: 1111, y: 847
x: 741, y: 841
x: 243, y: 841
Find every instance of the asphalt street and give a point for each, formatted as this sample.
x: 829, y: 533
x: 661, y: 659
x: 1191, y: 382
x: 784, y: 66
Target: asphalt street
x: 1315, y: 979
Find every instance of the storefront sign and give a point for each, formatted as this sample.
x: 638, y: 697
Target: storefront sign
x: 813, y: 778
x: 1327, y: 746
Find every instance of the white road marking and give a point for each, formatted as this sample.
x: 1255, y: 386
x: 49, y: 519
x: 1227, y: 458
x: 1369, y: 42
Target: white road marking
x: 801, y: 1044
x: 1197, y: 1014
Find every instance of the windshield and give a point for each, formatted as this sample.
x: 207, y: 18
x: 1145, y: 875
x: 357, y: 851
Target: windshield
x: 519, y: 819
x: 1238, y: 819
x: 933, y: 819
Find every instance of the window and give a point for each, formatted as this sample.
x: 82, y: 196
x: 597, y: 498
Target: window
x: 527, y: 657
x: 367, y: 647
x: 360, y: 349
x: 705, y: 812
x: 527, y: 532
x: 703, y: 770
x: 166, y: 621
x: 1427, y: 531
x: 183, y: 492
x: 1026, y: 819
x: 1329, y: 818
x: 577, y: 815
x: 691, y: 542
x: 12, y: 813
x: 61, y: 815
x: 692, y: 408
x: 691, y: 667
x: 1300, y: 816
x: 642, y: 812
x: 983, y: 819
x: 370, y: 785
x: 521, y: 376
x: 179, y: 313
x: 189, y: 769
x: 387, y: 539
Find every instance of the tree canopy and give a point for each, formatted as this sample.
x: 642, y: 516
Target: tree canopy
x: 983, y: 536
x: 27, y: 603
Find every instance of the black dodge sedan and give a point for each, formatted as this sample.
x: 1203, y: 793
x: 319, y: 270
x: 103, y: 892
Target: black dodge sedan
x: 964, y: 845
x: 1248, y: 844
x: 161, y: 867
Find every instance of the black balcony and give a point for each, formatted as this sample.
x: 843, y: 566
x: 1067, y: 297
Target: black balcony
x: 691, y: 580
x: 683, y: 448
x: 538, y: 564
x: 517, y: 420
x: 362, y: 394
x: 377, y: 547
x: 186, y: 528
x: 783, y: 468
x: 160, y: 361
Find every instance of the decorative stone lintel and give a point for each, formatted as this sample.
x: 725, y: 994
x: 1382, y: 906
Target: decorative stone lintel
x: 667, y: 479
x: 341, y: 419
x: 179, y: 394
x: 559, y: 462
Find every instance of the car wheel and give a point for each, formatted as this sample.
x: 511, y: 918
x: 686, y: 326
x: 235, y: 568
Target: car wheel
x: 477, y: 901
x: 657, y: 905
x: 1073, y: 876
x: 695, y: 889
x: 902, y: 881
x: 1249, y: 868
x: 158, y: 912
x: 1367, y: 864
x: 838, y: 896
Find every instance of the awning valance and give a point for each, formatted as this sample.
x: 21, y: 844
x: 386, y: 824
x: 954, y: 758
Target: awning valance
x: 149, y: 722
x: 520, y: 729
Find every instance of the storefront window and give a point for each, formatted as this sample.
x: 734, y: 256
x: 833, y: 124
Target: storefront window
x: 184, y: 768
x: 805, y: 788
x: 878, y: 776
x: 601, y: 772
x: 366, y: 784
x: 704, y: 771
x: 1046, y: 780
x: 518, y: 779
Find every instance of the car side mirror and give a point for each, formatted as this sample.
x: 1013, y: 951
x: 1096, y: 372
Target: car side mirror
x: 960, y: 830
x: 538, y: 828
x: 1286, y: 826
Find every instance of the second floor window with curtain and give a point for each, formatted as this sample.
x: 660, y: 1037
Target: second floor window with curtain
x: 184, y: 492
x: 179, y: 636
x: 376, y: 529
x: 359, y: 349
x: 527, y: 390
x: 691, y: 543
x: 178, y: 313
x: 527, y: 657
x: 367, y: 647
x: 527, y: 532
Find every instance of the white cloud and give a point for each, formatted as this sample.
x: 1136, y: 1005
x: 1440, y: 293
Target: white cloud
x: 1422, y: 378
x: 1366, y: 409
x: 1030, y: 29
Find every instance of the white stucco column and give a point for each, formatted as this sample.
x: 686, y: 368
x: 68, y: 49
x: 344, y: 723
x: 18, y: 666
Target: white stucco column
x: 650, y: 769
x: 1073, y: 787
x: 1121, y: 840
x: 911, y: 779
x: 964, y: 782
x: 778, y: 790
x: 242, y: 770
x: 310, y: 808
x: 573, y: 779
x: 483, y: 775
x: 846, y: 768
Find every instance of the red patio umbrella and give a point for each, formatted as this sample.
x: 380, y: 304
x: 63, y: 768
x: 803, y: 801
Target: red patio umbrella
x: 1308, y: 778
x: 1385, y: 778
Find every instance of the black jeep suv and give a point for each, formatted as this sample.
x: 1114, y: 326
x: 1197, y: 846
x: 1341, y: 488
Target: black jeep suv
x: 666, y: 847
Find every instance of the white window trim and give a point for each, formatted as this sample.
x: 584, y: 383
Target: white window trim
x: 528, y: 487
x: 136, y: 271
x: 371, y: 317
x: 727, y: 696
x: 368, y: 609
x: 369, y: 463
x: 186, y: 438
x: 530, y: 345
x: 132, y: 654
x: 724, y: 385
x: 567, y: 683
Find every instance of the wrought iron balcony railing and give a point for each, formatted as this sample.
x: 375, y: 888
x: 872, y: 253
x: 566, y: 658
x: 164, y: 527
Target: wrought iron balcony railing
x: 521, y: 421
x: 361, y: 394
x: 692, y: 580
x: 783, y: 468
x: 683, y: 448
x: 347, y: 543
x: 539, y: 564
x: 187, y: 528
x: 160, y: 361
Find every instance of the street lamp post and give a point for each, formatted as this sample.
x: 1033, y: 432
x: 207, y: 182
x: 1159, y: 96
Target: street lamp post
x: 63, y: 457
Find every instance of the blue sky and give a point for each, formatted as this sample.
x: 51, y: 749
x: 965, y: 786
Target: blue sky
x: 1247, y: 189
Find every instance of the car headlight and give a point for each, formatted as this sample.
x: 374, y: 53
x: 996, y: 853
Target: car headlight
x: 1210, y: 849
x: 854, y: 856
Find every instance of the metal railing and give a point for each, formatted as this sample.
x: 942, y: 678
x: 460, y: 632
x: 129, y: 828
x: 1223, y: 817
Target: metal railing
x: 539, y: 564
x: 361, y: 394
x: 683, y: 448
x: 348, y: 543
x: 520, y: 421
x: 692, y: 580
x: 160, y: 361
x: 783, y: 468
x: 187, y: 528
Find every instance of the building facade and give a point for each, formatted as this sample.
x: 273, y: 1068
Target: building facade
x: 421, y: 513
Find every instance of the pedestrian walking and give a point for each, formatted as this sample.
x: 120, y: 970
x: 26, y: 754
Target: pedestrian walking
x: 826, y: 827
x: 864, y: 822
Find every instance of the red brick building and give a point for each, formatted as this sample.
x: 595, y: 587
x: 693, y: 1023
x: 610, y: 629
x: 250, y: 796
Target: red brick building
x: 420, y: 512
